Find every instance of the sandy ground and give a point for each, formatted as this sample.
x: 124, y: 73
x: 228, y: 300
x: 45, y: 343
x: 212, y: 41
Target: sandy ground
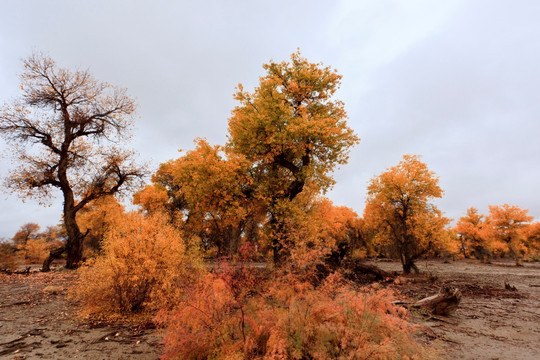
x: 38, y: 322
x: 491, y: 321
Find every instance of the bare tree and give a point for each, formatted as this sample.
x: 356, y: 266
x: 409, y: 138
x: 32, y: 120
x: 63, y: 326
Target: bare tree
x: 65, y: 133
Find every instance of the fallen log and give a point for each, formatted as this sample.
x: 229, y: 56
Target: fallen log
x: 353, y: 269
x: 357, y: 267
x: 443, y: 303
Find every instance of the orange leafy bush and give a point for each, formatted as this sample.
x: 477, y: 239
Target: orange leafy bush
x: 143, y: 266
x: 233, y: 314
x: 95, y: 220
x: 34, y: 251
x: 508, y: 229
x: 8, y: 258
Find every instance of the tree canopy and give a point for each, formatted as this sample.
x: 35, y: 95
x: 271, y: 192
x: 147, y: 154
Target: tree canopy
x: 508, y: 229
x: 287, y: 136
x: 292, y: 131
x: 291, y: 128
x: 400, y: 211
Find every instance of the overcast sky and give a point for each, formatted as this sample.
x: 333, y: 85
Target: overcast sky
x: 457, y: 82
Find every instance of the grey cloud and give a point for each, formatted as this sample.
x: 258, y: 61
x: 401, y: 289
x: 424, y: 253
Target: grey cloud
x: 464, y: 95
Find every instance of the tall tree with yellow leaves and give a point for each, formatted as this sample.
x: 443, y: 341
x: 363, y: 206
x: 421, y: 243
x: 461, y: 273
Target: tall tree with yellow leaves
x: 292, y: 131
x: 400, y: 211
x: 508, y: 228
x: 472, y: 230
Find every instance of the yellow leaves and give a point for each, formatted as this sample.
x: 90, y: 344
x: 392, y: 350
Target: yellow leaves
x: 142, y: 264
x: 290, y: 115
x: 507, y: 229
x: 398, y: 208
x: 34, y: 251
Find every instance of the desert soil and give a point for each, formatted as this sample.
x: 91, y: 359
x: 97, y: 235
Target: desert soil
x: 37, y: 321
x: 491, y: 322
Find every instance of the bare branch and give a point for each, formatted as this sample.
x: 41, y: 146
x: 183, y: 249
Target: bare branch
x: 63, y: 116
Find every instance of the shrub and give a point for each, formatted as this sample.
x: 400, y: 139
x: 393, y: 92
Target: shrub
x: 34, y: 251
x: 287, y: 319
x: 142, y: 268
x: 8, y: 259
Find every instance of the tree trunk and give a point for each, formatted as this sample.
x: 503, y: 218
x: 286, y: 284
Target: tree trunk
x: 74, y: 244
x: 409, y: 265
x: 277, y: 233
x: 54, y: 254
x: 74, y: 252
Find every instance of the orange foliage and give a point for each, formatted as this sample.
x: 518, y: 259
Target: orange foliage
x: 95, y: 220
x: 505, y: 231
x: 34, y: 251
x: 473, y: 232
x: 31, y: 246
x: 8, y: 257
x: 400, y: 213
x: 231, y: 315
x: 143, y: 267
x: 153, y: 198
x: 508, y: 229
x: 204, y: 194
x: 533, y: 240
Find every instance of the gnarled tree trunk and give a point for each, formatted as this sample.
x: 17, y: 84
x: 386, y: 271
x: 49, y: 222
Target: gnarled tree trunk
x: 54, y: 254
